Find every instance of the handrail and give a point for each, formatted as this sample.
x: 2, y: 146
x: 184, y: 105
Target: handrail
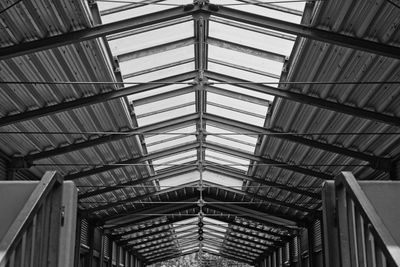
x: 27, y: 213
x: 388, y: 245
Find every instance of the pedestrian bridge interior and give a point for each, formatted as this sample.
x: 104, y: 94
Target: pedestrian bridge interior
x: 203, y: 126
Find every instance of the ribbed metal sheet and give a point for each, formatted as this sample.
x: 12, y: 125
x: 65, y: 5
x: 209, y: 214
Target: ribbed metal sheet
x: 317, y: 61
x: 85, y: 61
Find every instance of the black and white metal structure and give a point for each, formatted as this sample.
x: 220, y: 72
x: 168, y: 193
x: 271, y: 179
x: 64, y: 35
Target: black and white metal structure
x: 200, y: 125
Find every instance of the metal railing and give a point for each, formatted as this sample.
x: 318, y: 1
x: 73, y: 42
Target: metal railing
x: 353, y: 227
x: 32, y: 239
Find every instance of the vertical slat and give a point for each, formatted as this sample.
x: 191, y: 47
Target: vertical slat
x: 45, y: 233
x: 54, y: 227
x: 352, y: 232
x: 343, y: 227
x: 360, y: 235
x: 380, y: 258
x: 38, y: 246
x: 370, y: 247
x: 33, y: 242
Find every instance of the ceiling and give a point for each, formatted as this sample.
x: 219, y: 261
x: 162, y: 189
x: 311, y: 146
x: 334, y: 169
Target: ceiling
x: 204, y: 126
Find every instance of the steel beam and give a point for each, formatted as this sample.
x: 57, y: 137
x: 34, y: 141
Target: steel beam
x: 223, y: 171
x: 281, y: 236
x: 156, y: 49
x: 261, y: 199
x: 246, y: 49
x: 155, y: 155
x: 131, y: 218
x: 95, y: 99
x: 309, y: 100
x: 376, y: 162
x: 160, y: 176
x: 158, y: 68
x: 138, y: 198
x: 252, y: 215
x: 278, y: 164
x: 158, y: 127
x: 95, y: 32
x: 305, y: 31
x: 239, y: 96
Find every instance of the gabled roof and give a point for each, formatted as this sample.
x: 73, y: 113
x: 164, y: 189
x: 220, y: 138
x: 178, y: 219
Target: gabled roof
x: 172, y: 113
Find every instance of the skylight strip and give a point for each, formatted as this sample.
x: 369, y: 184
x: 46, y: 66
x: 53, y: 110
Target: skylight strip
x: 235, y: 110
x: 241, y: 67
x: 235, y: 140
x: 165, y: 110
x: 246, y: 49
x: 173, y: 138
x: 150, y: 51
x: 149, y: 28
x: 253, y: 28
x: 157, y: 68
x: 274, y: 7
x: 238, y: 96
x: 163, y: 96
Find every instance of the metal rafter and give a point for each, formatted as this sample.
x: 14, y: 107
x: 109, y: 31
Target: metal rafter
x: 306, y: 99
x: 156, y: 49
x: 223, y: 171
x: 162, y: 175
x: 260, y: 159
x: 151, y: 156
x: 264, y: 220
x: 138, y: 198
x: 262, y: 198
x: 305, y: 31
x: 132, y: 217
x: 246, y: 49
x: 375, y: 161
x: 95, y: 99
x: 95, y: 32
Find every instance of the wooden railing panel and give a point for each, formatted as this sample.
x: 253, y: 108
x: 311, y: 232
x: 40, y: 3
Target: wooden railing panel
x: 29, y: 241
x: 363, y: 237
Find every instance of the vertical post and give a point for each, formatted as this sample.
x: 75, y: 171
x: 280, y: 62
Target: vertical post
x: 91, y: 245
x: 118, y: 256
x: 329, y: 225
x: 311, y: 242
x: 77, y: 241
x: 110, y: 252
x: 102, y: 247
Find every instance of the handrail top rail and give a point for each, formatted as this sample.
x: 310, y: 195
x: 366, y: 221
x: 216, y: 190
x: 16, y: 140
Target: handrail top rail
x: 26, y: 214
x: 390, y: 246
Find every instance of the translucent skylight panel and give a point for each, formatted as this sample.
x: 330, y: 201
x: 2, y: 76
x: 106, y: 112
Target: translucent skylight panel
x: 166, y: 109
x: 134, y: 10
x: 164, y: 104
x: 244, y: 91
x: 245, y: 60
x: 267, y: 10
x: 227, y: 160
x: 235, y: 115
x: 214, y: 221
x: 180, y: 179
x: 146, y: 39
x: 163, y: 73
x: 160, y: 90
x: 250, y: 38
x: 158, y: 59
x: 161, y: 137
x: 250, y: 140
x: 240, y: 141
x: 170, y: 144
x: 221, y: 179
x: 238, y: 104
x: 174, y: 160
